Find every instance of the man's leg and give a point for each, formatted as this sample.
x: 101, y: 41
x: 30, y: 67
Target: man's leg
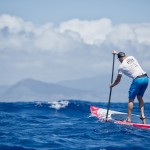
x: 141, y: 104
x: 130, y: 107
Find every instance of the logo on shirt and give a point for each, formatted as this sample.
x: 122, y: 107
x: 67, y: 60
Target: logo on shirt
x: 132, y: 63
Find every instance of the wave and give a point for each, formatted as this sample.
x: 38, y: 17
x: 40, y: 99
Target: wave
x: 69, y: 107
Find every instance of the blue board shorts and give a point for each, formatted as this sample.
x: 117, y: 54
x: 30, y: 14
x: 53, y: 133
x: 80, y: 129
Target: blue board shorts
x: 138, y: 87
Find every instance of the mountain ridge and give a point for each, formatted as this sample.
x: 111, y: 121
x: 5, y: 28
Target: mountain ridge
x: 35, y: 90
x: 92, y: 89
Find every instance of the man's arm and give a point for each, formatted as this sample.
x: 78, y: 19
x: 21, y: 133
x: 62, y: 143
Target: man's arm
x: 118, y: 79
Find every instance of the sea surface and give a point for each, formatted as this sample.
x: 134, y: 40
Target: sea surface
x: 67, y: 125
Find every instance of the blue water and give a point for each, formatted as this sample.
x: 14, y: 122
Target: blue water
x: 66, y: 125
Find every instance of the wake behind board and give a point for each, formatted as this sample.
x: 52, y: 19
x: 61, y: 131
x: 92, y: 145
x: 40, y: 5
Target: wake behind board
x: 117, y: 117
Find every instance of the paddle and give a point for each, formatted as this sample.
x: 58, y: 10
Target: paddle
x: 110, y: 88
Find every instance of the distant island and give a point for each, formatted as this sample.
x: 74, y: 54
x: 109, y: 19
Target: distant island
x: 88, y: 89
x: 34, y: 90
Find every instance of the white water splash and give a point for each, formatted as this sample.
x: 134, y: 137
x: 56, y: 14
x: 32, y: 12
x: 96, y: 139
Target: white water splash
x: 59, y: 104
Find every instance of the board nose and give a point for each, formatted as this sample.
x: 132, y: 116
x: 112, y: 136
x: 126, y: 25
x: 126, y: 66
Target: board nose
x: 94, y: 110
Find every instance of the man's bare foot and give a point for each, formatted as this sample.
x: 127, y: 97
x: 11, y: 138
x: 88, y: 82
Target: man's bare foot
x: 143, y: 118
x: 128, y: 120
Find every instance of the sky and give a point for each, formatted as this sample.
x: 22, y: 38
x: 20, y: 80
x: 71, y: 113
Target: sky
x: 55, y: 40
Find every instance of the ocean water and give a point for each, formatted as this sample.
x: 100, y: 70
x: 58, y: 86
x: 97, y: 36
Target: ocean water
x: 67, y: 125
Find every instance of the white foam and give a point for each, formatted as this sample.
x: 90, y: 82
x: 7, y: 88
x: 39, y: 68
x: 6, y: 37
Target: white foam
x: 58, y: 104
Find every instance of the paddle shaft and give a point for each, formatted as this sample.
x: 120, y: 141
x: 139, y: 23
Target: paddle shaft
x: 112, y: 75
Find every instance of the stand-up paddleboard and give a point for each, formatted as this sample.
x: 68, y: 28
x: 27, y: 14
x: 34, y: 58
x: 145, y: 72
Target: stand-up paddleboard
x: 117, y: 117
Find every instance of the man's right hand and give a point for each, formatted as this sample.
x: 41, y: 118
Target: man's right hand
x: 114, y: 52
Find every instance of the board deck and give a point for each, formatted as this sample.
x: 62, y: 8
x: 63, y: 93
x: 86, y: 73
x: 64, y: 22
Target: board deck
x: 100, y: 113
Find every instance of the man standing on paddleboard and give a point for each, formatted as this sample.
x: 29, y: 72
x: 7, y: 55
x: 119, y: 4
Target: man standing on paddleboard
x: 130, y: 67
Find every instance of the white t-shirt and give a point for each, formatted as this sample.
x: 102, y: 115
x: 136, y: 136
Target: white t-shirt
x: 130, y: 67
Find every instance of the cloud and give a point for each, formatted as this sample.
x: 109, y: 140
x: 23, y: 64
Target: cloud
x: 92, y: 32
x: 143, y: 33
x: 73, y: 49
